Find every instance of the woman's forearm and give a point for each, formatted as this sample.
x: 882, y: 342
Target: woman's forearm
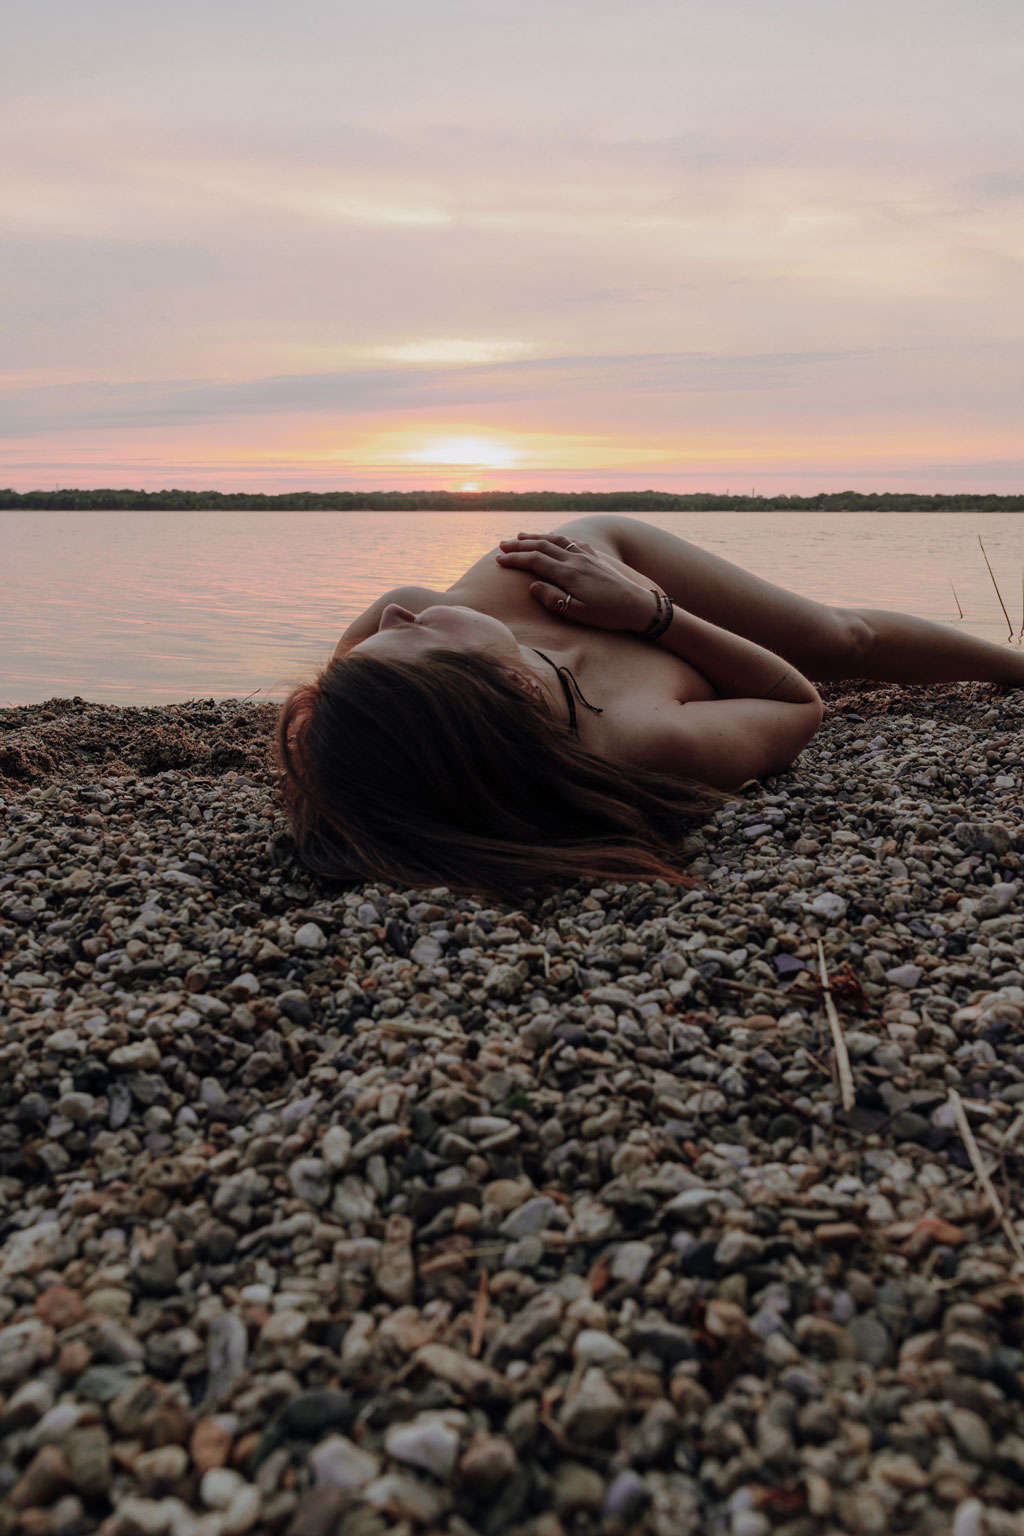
x: 735, y: 667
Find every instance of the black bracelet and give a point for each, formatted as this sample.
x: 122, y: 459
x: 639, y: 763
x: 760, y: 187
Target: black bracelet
x: 663, y: 615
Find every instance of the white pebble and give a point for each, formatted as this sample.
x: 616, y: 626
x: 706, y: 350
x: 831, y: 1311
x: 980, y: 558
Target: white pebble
x: 310, y: 936
x: 219, y: 1486
x: 969, y: 1518
x: 243, y: 1511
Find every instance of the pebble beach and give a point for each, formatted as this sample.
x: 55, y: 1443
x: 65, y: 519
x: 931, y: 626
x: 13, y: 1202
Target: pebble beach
x: 344, y: 1212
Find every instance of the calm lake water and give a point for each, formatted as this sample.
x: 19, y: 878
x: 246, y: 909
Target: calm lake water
x: 154, y: 607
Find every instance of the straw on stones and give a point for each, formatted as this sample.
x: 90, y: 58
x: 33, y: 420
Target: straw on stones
x: 343, y: 1213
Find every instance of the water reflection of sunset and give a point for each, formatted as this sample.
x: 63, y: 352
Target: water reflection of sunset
x: 143, y: 607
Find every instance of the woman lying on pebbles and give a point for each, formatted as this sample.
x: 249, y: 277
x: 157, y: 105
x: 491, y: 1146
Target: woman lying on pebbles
x: 562, y: 708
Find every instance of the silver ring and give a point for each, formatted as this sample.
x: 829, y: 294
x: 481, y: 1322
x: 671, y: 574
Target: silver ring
x: 572, y: 546
x: 562, y: 604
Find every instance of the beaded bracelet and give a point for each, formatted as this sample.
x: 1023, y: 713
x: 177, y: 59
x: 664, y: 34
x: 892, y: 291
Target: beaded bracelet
x: 663, y: 615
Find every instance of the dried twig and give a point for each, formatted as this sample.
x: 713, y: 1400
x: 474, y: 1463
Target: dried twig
x: 963, y: 1126
x: 956, y: 600
x: 846, y: 1088
x: 1010, y: 1135
x: 406, y: 1027
x: 1002, y: 605
x: 746, y: 988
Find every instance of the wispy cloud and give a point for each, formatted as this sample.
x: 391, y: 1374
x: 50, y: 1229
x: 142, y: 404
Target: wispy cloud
x: 100, y: 406
x: 750, y: 221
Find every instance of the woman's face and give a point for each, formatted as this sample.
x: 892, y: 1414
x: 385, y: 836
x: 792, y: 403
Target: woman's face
x: 402, y: 634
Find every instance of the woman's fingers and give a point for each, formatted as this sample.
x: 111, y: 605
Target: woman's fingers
x: 551, y: 547
x: 554, y: 598
x: 558, y: 540
x: 532, y: 560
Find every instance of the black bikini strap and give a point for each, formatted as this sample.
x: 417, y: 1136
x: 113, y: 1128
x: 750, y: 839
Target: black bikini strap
x: 565, y: 677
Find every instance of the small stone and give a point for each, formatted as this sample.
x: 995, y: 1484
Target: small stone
x: 209, y: 1444
x: 88, y: 1452
x: 631, y: 1262
x: 319, y: 1511
x: 46, y: 1477
x: 394, y: 1271
x: 692, y: 1205
x: 426, y: 951
x: 905, y: 976
x: 310, y: 937
x: 27, y: 1404
x: 335, y: 1149
x: 507, y: 1194
x: 968, y: 1351
x: 294, y: 1004
x: 148, y: 1517
x: 749, y: 1522
x: 870, y: 1339
x: 524, y: 1331
x: 31, y: 1248
x: 60, y: 1306
x: 969, y: 1518
x: 158, y: 1470
x: 58, y: 1422
x: 284, y: 1327
x: 592, y: 1346
x: 626, y: 1497
x: 592, y: 1410
x: 972, y: 1434
x: 23, y: 1349
x: 154, y: 1264
x: 471, y: 1377
x: 310, y: 1180
x: 427, y: 1442
x: 838, y: 1234
x: 576, y: 1489
x: 668, y: 1341
x: 243, y: 1511
x: 821, y: 1337
x: 137, y: 1056
x: 227, y: 1353
x: 828, y: 906
x: 487, y: 1462
x: 931, y: 1232
x: 338, y: 1463
x: 66, y: 1517
x: 219, y: 1486
x: 528, y: 1219
x: 504, y: 981
x: 737, y: 1248
x: 421, y: 1502
x: 323, y: 1408
x: 909, y: 1126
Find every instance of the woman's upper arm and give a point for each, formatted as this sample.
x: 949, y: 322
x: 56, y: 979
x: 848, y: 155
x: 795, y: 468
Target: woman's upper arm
x: 602, y: 529
x: 725, y: 742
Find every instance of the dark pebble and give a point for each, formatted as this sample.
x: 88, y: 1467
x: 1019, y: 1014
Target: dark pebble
x: 311, y: 1413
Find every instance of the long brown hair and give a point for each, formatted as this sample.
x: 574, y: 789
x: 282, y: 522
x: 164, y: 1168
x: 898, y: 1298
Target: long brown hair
x: 443, y: 771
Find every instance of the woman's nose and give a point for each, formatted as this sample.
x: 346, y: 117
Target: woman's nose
x: 394, y: 616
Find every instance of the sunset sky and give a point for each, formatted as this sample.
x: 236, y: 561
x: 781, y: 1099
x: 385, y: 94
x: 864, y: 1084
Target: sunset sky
x: 735, y: 244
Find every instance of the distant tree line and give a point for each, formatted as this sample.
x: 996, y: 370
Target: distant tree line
x: 502, y: 501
